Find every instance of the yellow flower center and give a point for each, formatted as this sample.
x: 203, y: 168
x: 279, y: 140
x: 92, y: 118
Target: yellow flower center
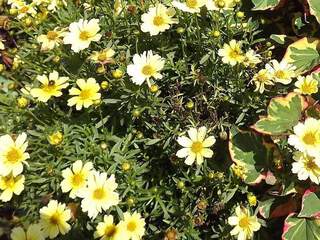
x: 308, y: 88
x: 158, y: 21
x: 110, y: 230
x: 24, y: 9
x: 235, y: 53
x: 84, y: 35
x: 102, y: 57
x: 310, y: 138
x: 52, y: 35
x: 244, y: 222
x: 310, y: 165
x: 192, y: 3
x: 99, y: 194
x: 10, y: 182
x: 85, y: 94
x: 14, y: 155
x: 147, y: 70
x: 196, y: 147
x: 280, y: 74
x: 55, y: 218
x: 50, y: 88
x: 77, y: 179
x: 131, y: 226
x: 262, y: 78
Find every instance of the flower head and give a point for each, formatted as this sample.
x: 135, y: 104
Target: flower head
x: 158, y: 19
x: 75, y: 178
x: 82, y: 33
x: 133, y: 225
x: 281, y: 72
x: 245, y: 224
x: 100, y: 194
x: 51, y: 86
x: 144, y: 67
x: 11, y: 185
x: 33, y: 232
x: 306, y: 137
x: 108, y: 230
x: 103, y: 57
x: 306, y: 85
x: 25, y: 9
x: 251, y: 58
x: 231, y: 53
x: 55, y: 138
x: 196, y: 147
x: 50, y: 40
x: 13, y: 154
x: 220, y: 4
x: 261, y: 79
x: 191, y: 6
x: 86, y: 95
x: 306, y: 166
x: 54, y: 219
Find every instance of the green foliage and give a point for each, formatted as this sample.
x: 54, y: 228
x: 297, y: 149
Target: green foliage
x: 264, y: 4
x: 315, y: 8
x: 301, y: 228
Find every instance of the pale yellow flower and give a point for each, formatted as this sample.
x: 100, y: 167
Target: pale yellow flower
x: 25, y: 9
x: 231, y: 53
x: 196, y: 147
x: 281, y: 72
x: 103, y: 57
x: 261, y: 79
x: 133, y: 225
x: 52, y: 86
x: 191, y: 6
x: 13, y: 154
x: 50, y: 40
x: 75, y: 179
x: 251, y: 58
x: 86, y: 95
x: 306, y: 166
x: 244, y: 224
x: 306, y: 85
x: 158, y: 19
x: 11, y: 185
x: 34, y: 232
x: 108, y: 230
x: 82, y: 33
x: 54, y: 219
x: 220, y: 4
x: 55, y: 138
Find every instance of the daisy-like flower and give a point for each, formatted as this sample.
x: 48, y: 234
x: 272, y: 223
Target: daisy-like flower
x: 86, y: 95
x: 306, y: 137
x: 196, y: 147
x: 306, y: 85
x: 281, y: 72
x: 251, y: 58
x: 108, y: 230
x: 261, y: 79
x: 100, y: 194
x: 191, y: 6
x: 82, y: 33
x: 34, y: 232
x: 231, y: 53
x: 25, y: 9
x: 144, y: 67
x: 103, y: 57
x: 133, y: 225
x: 220, y: 4
x: 16, y: 3
x: 54, y: 219
x: 75, y: 178
x: 306, y: 166
x: 245, y: 224
x: 11, y: 185
x: 158, y: 19
x: 13, y: 154
x: 51, y: 86
x: 50, y: 40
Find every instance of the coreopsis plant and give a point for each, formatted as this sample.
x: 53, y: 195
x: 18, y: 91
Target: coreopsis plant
x: 176, y: 119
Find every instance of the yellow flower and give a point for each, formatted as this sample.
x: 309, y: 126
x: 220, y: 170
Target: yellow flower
x: 25, y: 9
x: 103, y: 57
x: 220, y: 4
x: 145, y: 67
x: 158, y: 19
x: 100, y: 194
x: 34, y: 232
x: 281, y: 72
x: 245, y: 224
x: 82, y: 33
x: 306, y: 85
x: 251, y: 58
x: 75, y: 179
x: 252, y: 199
x: 51, y: 86
x: 53, y: 219
x: 133, y: 226
x: 306, y: 137
x: 231, y: 53
x: 11, y: 185
x: 86, y: 95
x: 13, y: 154
x: 196, y: 147
x: 50, y: 40
x: 191, y: 6
x: 108, y: 230
x: 306, y: 166
x: 239, y: 171
x: 22, y: 102
x: 261, y: 79
x: 117, y: 74
x: 55, y: 138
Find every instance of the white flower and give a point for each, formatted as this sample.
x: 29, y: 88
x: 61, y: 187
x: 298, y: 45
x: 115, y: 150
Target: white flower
x: 82, y: 33
x: 281, y: 72
x: 261, y: 79
x: 50, y: 40
x: 306, y: 167
x: 251, y: 58
x: 196, y: 147
x: 231, y: 53
x: 157, y: 19
x: 144, y: 67
x: 25, y: 9
x: 191, y: 6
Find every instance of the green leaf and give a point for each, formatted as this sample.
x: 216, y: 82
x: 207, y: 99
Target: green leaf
x: 283, y: 114
x: 247, y: 149
x: 315, y: 8
x: 264, y: 4
x: 300, y: 229
x: 310, y: 205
